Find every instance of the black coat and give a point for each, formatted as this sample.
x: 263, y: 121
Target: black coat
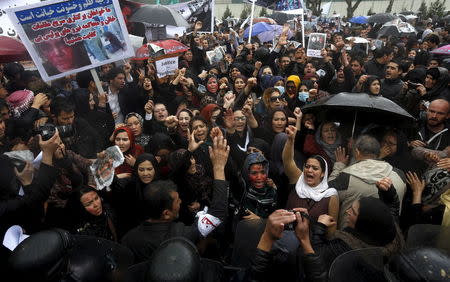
x: 145, y: 238
x: 85, y: 140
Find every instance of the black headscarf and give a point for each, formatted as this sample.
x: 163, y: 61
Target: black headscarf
x: 260, y: 145
x: 8, y: 181
x: 375, y: 224
x: 140, y: 159
x: 193, y: 187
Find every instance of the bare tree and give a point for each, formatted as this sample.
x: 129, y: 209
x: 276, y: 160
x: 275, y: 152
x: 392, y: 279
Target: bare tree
x: 314, y: 6
x: 352, y: 8
x: 389, y: 7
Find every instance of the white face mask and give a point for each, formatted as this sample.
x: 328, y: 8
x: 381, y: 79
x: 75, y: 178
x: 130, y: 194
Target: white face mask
x: 302, y: 96
x: 281, y: 88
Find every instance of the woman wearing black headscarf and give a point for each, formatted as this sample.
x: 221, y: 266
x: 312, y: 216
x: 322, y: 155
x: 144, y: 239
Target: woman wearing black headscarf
x: 95, y: 115
x: 436, y: 84
x: 395, y: 151
x: 127, y: 193
x: 90, y: 215
x: 194, y: 185
x: 14, y: 208
x: 370, y: 223
x: 276, y: 122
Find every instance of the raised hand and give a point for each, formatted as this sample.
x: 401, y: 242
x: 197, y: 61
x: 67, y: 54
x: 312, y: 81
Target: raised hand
x: 228, y: 119
x: 198, y: 25
x: 384, y: 184
x: 215, y: 132
x: 247, y: 111
x: 171, y: 122
x: 193, y: 144
x: 149, y: 107
x: 298, y: 113
x: 251, y: 82
x: 218, y: 154
x: 102, y: 99
x: 39, y: 100
x: 291, y: 131
x: 341, y: 155
x: 258, y: 65
x: 417, y: 186
x: 130, y: 160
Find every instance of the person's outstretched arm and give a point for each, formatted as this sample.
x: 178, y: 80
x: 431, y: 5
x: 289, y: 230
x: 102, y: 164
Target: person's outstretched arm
x: 290, y: 168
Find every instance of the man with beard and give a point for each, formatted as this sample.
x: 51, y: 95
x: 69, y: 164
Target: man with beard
x: 434, y: 134
x: 391, y: 85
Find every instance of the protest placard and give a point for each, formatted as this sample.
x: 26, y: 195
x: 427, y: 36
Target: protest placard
x: 166, y: 66
x: 197, y: 10
x: 316, y: 43
x: 103, y: 168
x: 216, y: 55
x: 65, y: 37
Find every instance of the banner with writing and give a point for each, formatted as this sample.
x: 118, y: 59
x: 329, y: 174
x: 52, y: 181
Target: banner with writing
x: 69, y: 36
x: 285, y: 6
x: 166, y: 66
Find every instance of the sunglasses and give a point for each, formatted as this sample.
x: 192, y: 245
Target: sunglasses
x: 275, y: 98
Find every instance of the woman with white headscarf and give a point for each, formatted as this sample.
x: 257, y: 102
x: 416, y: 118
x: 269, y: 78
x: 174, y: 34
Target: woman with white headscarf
x: 309, y: 187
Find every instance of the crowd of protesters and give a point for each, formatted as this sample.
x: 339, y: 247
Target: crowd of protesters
x: 290, y: 190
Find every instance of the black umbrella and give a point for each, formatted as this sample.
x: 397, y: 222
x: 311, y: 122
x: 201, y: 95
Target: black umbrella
x: 281, y: 18
x: 381, y: 18
x: 407, y: 13
x: 362, y: 107
x: 397, y: 28
x: 158, y: 14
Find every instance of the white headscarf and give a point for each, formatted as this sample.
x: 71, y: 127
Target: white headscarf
x: 317, y: 193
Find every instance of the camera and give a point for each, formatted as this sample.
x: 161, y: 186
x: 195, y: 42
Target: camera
x: 412, y: 84
x: 291, y: 226
x: 48, y: 130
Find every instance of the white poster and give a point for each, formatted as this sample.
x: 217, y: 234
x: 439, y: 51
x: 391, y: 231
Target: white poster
x: 166, y: 66
x: 197, y: 10
x: 216, y: 55
x: 69, y: 36
x: 6, y: 26
x: 316, y: 43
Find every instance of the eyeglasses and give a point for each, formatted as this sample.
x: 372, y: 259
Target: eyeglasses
x: 275, y: 98
x: 243, y: 118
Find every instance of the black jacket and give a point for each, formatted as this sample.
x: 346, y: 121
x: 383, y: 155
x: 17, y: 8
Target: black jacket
x: 372, y: 67
x: 145, y: 238
x: 85, y: 140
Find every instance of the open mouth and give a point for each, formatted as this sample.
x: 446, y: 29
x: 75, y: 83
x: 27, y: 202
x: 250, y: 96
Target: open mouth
x: 309, y: 177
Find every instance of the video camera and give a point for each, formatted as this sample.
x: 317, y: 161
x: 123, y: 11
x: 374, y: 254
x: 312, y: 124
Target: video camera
x: 48, y: 130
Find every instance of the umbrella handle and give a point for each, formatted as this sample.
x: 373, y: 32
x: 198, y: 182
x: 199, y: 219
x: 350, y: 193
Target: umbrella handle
x: 354, y: 123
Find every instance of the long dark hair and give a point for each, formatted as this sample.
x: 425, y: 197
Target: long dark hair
x: 272, y: 113
x: 146, y: 157
x: 368, y: 82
